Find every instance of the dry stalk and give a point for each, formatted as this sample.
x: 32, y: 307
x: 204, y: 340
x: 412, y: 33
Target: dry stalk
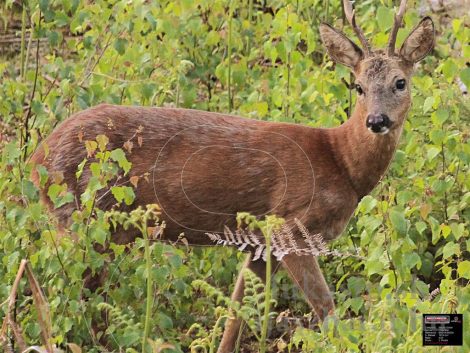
x: 42, y: 309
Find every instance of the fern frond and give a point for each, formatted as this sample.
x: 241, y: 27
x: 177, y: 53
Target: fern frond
x: 283, y: 242
x: 117, y: 316
x: 315, y: 242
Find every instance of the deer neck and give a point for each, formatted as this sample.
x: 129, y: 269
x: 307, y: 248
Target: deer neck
x: 365, y: 156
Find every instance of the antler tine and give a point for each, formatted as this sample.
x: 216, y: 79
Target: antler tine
x: 351, y: 17
x: 396, y: 25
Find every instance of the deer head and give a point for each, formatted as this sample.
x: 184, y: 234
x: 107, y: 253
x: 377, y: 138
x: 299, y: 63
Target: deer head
x: 382, y: 77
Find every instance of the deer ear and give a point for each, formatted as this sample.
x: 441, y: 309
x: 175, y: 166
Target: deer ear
x: 340, y: 48
x: 419, y: 42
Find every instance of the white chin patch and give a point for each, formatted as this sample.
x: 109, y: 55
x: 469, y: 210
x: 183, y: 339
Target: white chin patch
x: 383, y: 131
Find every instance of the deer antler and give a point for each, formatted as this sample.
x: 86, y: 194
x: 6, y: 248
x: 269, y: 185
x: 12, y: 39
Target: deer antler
x: 396, y: 25
x: 351, y: 17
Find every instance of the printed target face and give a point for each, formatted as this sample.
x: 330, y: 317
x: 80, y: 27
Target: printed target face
x: 214, y: 172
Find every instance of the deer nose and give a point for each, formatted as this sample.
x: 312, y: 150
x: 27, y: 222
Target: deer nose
x: 378, y: 122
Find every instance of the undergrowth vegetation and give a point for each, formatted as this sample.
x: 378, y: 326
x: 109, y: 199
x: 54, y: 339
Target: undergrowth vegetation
x: 261, y: 60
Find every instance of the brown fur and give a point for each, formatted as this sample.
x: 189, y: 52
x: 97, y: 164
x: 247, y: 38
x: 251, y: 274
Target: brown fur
x: 206, y: 167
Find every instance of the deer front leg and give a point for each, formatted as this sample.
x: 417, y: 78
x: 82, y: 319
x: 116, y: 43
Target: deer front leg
x: 232, y: 326
x: 306, y: 274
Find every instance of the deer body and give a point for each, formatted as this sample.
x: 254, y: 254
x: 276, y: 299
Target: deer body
x: 203, y: 168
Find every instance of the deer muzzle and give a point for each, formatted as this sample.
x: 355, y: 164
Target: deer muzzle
x: 378, y: 123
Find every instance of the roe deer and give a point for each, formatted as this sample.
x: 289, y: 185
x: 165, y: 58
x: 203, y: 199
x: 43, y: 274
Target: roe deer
x: 205, y: 167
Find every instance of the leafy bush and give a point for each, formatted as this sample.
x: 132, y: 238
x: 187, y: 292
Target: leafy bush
x: 259, y: 60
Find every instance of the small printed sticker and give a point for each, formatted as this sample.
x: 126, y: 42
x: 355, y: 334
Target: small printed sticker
x: 442, y: 329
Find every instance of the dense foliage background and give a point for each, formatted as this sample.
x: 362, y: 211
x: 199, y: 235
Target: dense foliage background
x: 261, y: 60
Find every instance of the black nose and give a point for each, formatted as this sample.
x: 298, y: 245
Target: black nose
x: 377, y: 122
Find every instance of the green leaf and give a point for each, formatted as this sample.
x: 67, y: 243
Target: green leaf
x: 118, y: 193
x: 465, y: 76
x: 129, y: 195
x: 53, y: 191
x: 12, y: 151
x: 409, y: 299
x: 54, y: 38
x: 80, y: 167
x: 428, y: 103
x: 43, y: 5
x: 412, y: 260
x: 43, y: 174
x: 103, y: 141
x: 384, y: 18
x: 398, y: 221
x: 119, y: 156
x: 388, y: 279
x: 403, y: 197
x: 432, y: 152
x: 160, y: 275
x: 128, y: 338
x: 435, y: 229
x: 464, y: 269
x: 450, y: 249
x: 99, y: 235
x: 120, y: 45
x: 356, y: 285
x: 437, y: 136
x: 445, y: 230
x: 449, y: 69
x: 123, y: 193
x: 95, y: 169
x: 164, y: 321
x: 374, y: 266
x: 420, y: 227
x: 356, y: 304
x: 29, y: 190
x: 440, y: 116
x: 367, y: 204
x: 457, y: 230
x: 261, y: 109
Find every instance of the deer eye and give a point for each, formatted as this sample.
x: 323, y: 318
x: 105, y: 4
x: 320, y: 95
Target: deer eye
x: 400, y: 84
x: 359, y: 89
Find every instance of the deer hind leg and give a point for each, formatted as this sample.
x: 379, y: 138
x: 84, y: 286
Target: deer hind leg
x: 306, y: 274
x: 232, y: 326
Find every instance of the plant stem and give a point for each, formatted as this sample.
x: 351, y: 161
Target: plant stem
x: 250, y: 16
x: 267, y: 296
x: 229, y: 53
x: 239, y: 337
x: 250, y: 10
x: 28, y: 49
x: 446, y: 217
x: 327, y: 9
x: 149, y: 299
x: 23, y: 36
x: 288, y: 67
x: 177, y: 92
x: 26, y: 126
x: 214, y: 333
x: 288, y: 87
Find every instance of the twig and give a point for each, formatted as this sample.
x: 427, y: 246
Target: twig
x: 90, y: 72
x: 42, y: 308
x: 8, y: 321
x: 33, y: 93
x: 23, y: 35
x: 446, y: 217
x: 229, y: 54
x: 44, y: 316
